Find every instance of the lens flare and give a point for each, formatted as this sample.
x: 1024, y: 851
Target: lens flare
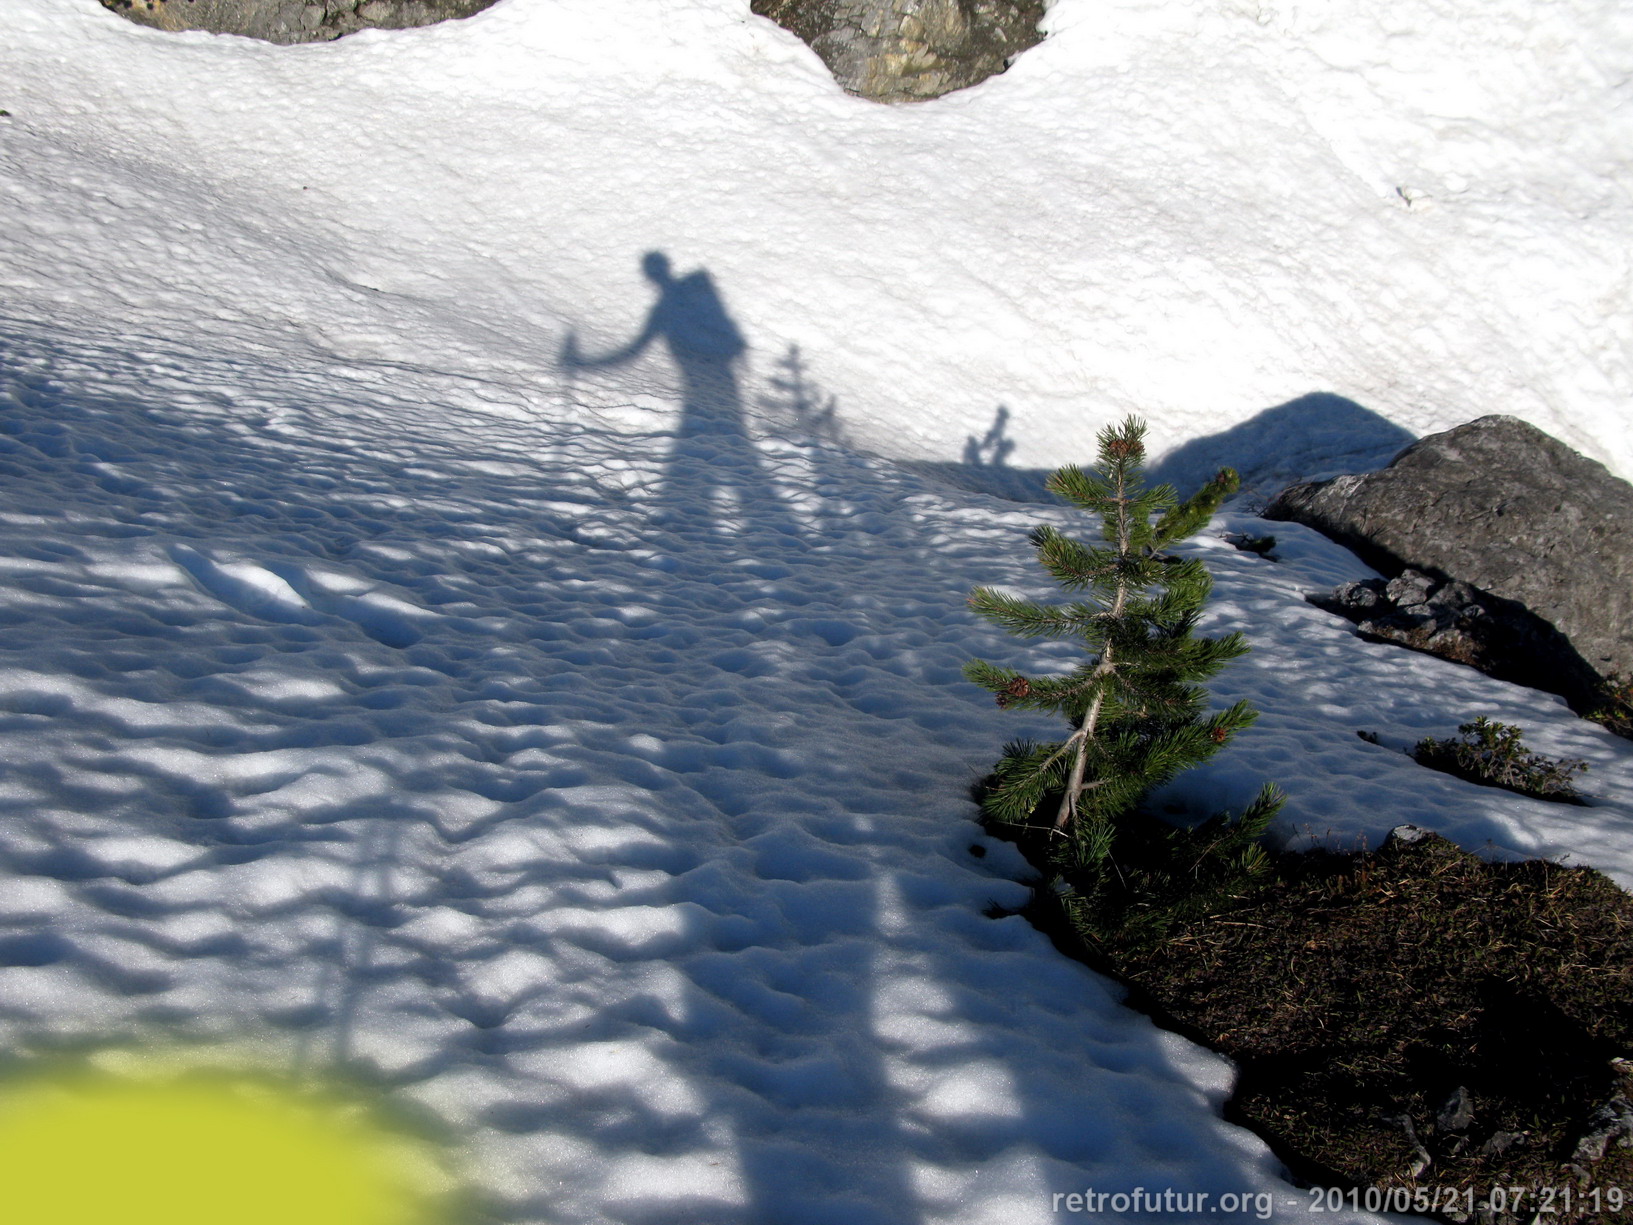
x: 203, y: 1150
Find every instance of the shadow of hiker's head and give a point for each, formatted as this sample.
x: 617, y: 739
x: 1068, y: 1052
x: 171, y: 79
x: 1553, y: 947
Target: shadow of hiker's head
x: 655, y: 264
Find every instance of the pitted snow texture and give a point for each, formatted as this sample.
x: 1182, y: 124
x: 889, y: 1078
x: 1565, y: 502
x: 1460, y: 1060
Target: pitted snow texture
x: 394, y: 734
x: 397, y: 729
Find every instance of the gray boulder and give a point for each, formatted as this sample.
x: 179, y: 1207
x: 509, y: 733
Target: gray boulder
x: 910, y: 50
x: 1494, y: 508
x: 292, y: 21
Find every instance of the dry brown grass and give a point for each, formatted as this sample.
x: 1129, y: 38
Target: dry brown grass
x: 1360, y: 993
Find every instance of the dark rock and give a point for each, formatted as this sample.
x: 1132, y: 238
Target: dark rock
x: 1421, y: 1160
x: 1456, y: 1113
x: 1611, y: 1123
x: 909, y: 50
x: 1538, y: 540
x: 1408, y: 835
x: 292, y: 21
x: 1456, y: 621
x: 1259, y: 545
x: 1360, y: 597
x: 1410, y: 589
x: 1501, y: 1141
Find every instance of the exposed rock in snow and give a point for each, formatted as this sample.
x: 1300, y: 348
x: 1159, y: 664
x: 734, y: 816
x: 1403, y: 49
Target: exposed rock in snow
x: 292, y: 21
x: 1459, y: 622
x: 1500, y: 505
x: 909, y: 50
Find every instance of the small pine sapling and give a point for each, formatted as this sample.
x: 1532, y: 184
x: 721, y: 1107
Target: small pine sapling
x: 1494, y: 755
x: 1135, y: 706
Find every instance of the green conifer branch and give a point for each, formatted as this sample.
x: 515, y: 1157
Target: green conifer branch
x: 1192, y: 515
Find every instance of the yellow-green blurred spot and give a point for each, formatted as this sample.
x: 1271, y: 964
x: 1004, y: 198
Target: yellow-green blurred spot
x: 197, y: 1151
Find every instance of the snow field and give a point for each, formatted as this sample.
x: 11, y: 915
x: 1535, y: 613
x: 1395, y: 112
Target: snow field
x: 1195, y: 213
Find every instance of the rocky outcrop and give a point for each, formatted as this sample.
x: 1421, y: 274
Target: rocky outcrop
x: 910, y: 50
x: 1517, y: 524
x: 1458, y: 621
x: 292, y: 21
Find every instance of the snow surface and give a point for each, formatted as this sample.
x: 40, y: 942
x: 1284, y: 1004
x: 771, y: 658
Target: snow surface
x: 579, y: 751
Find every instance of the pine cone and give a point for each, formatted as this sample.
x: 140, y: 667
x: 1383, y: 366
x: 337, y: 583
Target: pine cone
x: 1017, y: 688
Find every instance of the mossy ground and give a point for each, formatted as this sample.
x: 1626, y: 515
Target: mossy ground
x: 1359, y: 993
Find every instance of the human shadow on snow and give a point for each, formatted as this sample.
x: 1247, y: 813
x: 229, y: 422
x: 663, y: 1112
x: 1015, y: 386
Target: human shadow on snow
x: 714, y: 475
